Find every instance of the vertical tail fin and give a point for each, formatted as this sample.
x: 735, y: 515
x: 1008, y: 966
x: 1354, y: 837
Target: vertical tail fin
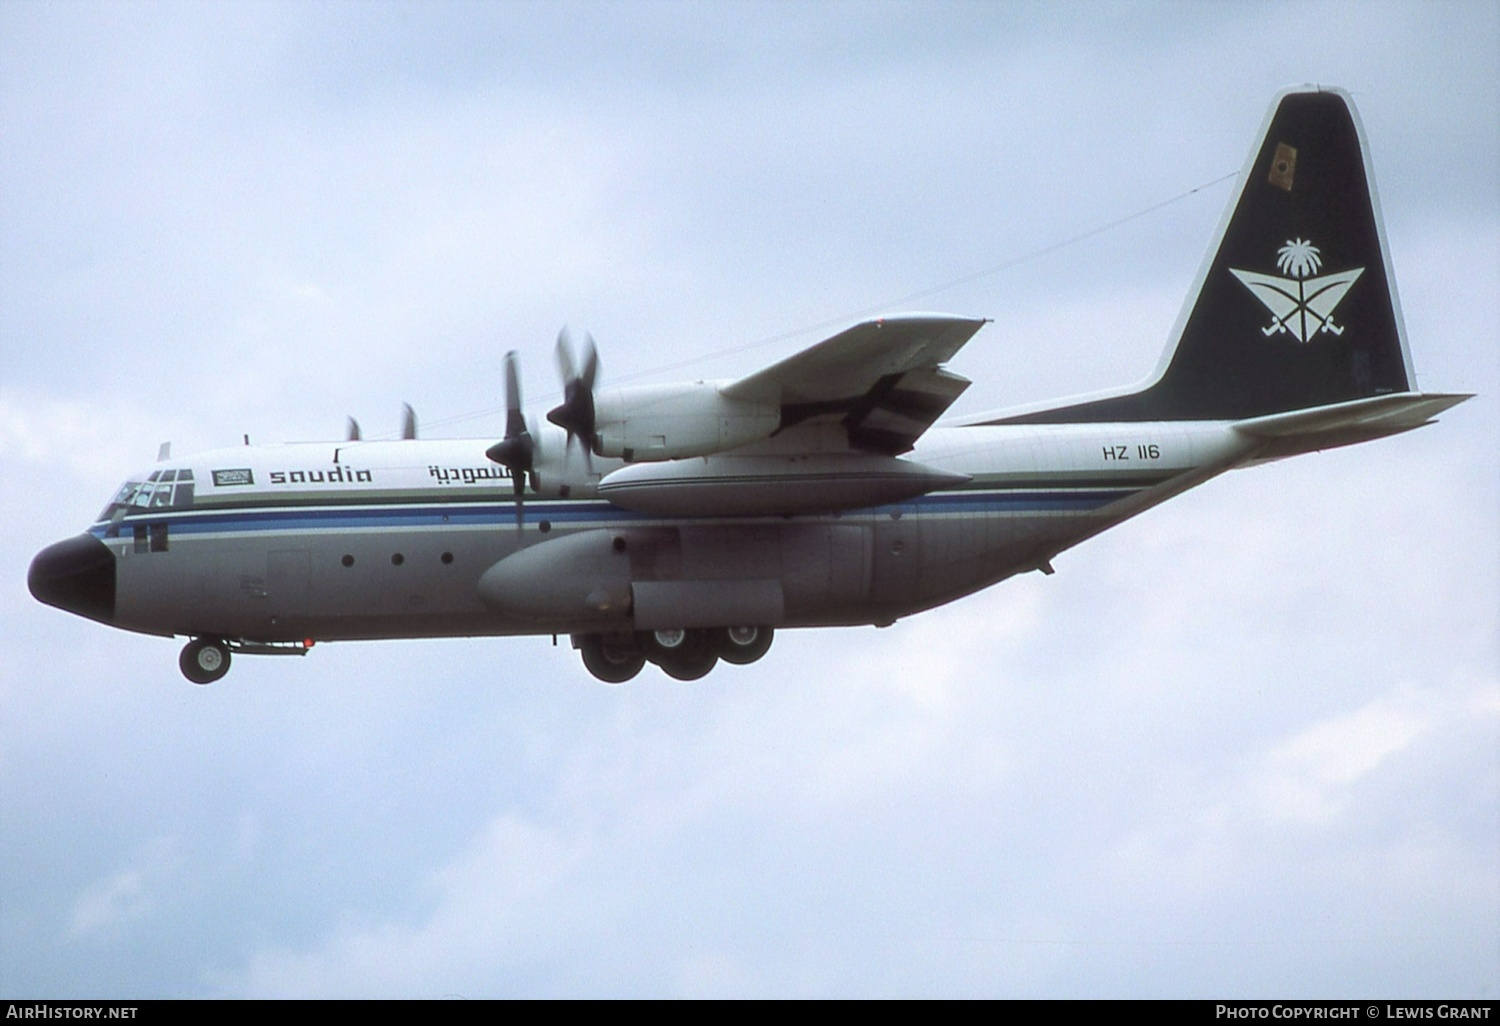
x: 1296, y: 306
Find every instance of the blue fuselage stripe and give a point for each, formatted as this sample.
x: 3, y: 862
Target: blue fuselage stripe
x: 562, y: 514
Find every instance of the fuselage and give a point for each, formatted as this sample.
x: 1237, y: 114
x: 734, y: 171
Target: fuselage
x: 391, y: 539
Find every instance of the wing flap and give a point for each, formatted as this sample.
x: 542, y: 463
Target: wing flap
x: 895, y: 417
x: 881, y: 379
x: 854, y: 361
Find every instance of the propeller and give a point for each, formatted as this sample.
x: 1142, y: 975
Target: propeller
x: 517, y: 450
x: 576, y: 414
x: 408, y: 422
x: 352, y: 434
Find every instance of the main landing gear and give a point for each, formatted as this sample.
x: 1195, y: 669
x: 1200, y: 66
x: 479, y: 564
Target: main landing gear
x: 682, y: 654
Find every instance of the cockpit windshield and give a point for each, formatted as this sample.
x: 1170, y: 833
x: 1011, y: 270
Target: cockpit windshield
x: 164, y: 489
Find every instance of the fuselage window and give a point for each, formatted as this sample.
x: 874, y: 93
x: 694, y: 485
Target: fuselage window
x: 150, y: 538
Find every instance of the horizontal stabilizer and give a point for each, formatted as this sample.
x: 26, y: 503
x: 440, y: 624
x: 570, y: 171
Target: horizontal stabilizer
x: 1327, y: 427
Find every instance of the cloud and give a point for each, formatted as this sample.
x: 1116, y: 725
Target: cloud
x: 92, y: 441
x: 126, y: 896
x: 1306, y: 777
x: 1242, y: 743
x: 491, y: 912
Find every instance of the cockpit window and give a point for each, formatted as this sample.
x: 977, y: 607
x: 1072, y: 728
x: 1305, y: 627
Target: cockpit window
x: 182, y: 498
x: 164, y: 489
x: 122, y: 501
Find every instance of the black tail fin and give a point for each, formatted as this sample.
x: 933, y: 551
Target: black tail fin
x: 1296, y: 307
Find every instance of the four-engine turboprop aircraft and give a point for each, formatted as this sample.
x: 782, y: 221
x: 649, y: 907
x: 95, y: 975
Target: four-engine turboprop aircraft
x: 683, y: 524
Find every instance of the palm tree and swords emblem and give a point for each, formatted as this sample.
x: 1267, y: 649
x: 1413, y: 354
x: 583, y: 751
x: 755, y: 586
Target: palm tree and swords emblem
x: 1301, y: 304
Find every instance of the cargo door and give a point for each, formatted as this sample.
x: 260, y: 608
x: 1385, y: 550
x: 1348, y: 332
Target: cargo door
x: 287, y: 572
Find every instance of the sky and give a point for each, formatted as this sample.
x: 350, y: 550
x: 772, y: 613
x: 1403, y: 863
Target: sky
x: 1246, y: 745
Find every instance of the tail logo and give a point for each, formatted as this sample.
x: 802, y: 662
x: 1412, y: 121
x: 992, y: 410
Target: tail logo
x: 1302, y: 304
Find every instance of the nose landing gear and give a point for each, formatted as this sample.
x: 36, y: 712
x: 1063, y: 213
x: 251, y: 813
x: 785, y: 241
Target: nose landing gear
x: 204, y: 660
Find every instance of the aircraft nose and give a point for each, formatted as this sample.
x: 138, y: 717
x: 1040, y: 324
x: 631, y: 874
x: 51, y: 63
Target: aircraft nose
x: 77, y: 575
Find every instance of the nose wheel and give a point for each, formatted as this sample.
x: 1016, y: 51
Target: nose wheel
x: 204, y: 660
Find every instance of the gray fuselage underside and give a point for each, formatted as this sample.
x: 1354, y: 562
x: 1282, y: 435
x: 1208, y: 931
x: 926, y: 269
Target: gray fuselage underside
x: 408, y: 565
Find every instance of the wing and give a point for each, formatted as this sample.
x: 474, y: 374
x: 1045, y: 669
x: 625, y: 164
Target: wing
x: 882, y: 379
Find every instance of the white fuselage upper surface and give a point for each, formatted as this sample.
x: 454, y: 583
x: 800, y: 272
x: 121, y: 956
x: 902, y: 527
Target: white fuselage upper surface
x: 330, y: 541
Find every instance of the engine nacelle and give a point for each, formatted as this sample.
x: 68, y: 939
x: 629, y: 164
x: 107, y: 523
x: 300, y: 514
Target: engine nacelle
x: 772, y: 485
x: 647, y: 423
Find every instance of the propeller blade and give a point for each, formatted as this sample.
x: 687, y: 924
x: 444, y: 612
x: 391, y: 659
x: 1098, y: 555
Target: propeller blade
x: 576, y: 413
x: 408, y: 422
x: 590, y: 362
x: 564, y: 351
x: 518, y: 488
x: 515, y: 420
x: 352, y: 434
x: 517, y: 450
